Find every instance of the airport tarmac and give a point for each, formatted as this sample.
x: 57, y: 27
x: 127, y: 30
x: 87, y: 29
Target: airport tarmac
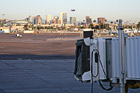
x: 44, y: 76
x: 41, y: 63
x: 38, y: 44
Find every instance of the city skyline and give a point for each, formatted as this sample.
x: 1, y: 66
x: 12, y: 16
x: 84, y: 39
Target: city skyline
x: 110, y: 9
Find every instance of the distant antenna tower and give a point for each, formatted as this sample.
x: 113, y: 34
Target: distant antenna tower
x: 3, y: 16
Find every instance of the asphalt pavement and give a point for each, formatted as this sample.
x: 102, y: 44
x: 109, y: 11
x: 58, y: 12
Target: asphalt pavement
x: 44, y: 76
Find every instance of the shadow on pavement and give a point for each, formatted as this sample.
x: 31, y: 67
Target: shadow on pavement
x: 35, y: 57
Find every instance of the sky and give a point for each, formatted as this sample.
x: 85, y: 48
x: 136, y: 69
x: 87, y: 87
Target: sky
x: 127, y: 10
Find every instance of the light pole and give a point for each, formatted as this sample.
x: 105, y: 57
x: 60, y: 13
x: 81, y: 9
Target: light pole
x: 122, y: 58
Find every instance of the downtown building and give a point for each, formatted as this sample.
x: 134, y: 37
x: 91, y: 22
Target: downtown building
x: 101, y: 20
x: 73, y: 20
x: 63, y: 18
x: 48, y: 19
x: 31, y: 19
x: 56, y: 20
x: 88, y: 20
x: 37, y: 20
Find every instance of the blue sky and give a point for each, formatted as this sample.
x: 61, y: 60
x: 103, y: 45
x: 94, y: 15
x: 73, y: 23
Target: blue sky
x: 110, y: 9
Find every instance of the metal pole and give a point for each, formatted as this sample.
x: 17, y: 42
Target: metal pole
x: 122, y: 58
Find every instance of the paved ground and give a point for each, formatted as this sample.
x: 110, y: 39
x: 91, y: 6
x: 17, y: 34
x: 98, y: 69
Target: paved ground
x: 43, y: 76
x: 38, y: 44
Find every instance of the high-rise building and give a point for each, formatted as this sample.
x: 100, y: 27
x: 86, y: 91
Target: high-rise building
x: 73, y: 20
x: 88, y: 20
x: 101, y: 20
x: 38, y: 19
x: 59, y: 21
x: 48, y: 19
x: 31, y: 19
x: 35, y: 20
x: 63, y: 18
x: 56, y: 19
